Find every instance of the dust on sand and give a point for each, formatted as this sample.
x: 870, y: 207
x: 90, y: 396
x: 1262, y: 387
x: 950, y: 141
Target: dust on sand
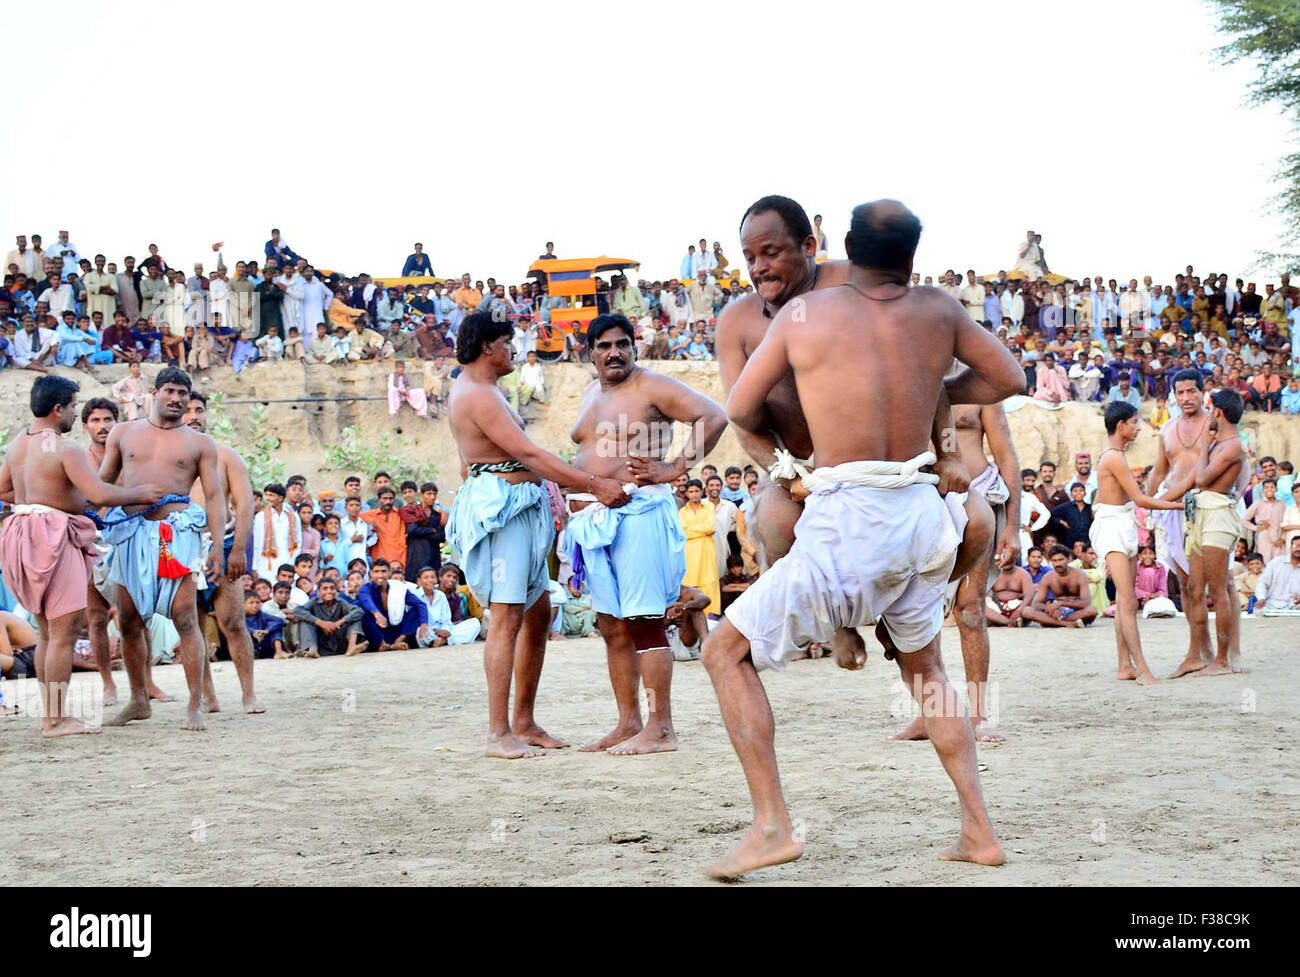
x: 369, y: 770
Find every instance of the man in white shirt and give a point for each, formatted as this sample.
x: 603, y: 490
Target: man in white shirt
x: 531, y: 378
x: 316, y: 299
x: 1279, y: 586
x: 277, y: 533
x: 59, y: 297
x: 294, y: 290
x: 439, y: 630
x: 356, y: 532
x: 1033, y: 514
x: 972, y: 297
x: 65, y: 249
x: 34, y: 348
x: 23, y: 257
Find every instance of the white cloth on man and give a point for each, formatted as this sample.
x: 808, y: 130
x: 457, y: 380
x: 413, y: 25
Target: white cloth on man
x: 1114, y: 529
x: 1031, y: 507
x: 1031, y: 263
x: 1279, y: 585
x: 316, y: 298
x: 219, y: 301
x: 461, y: 633
x: 280, y: 522
x: 291, y: 308
x: 724, y: 522
x: 875, y: 541
x: 35, y: 347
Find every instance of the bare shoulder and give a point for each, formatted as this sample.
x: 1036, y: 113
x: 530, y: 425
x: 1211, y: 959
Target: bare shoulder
x: 831, y: 273
x: 738, y: 318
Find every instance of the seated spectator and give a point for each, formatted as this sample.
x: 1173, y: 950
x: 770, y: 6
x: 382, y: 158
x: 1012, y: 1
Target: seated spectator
x: 341, y: 350
x: 1052, y: 385
x: 437, y: 383
x: 1125, y: 391
x: 1062, y: 598
x: 174, y: 350
x: 417, y: 264
x: 293, y: 346
x: 1248, y: 581
x: 735, y: 581
x: 199, y: 360
x: 687, y: 623
x: 698, y: 349
x: 328, y: 625
x: 269, y: 347
x: 266, y: 631
x: 460, y: 599
x: 401, y: 392
x: 133, y: 393
x: 579, y: 619
x: 441, y: 629
x: 1279, y: 588
x: 677, y: 344
x: 1152, y: 578
x: 1289, y: 400
x: 1265, y: 390
x: 118, y: 340
x: 393, y: 615
x: 1011, y: 593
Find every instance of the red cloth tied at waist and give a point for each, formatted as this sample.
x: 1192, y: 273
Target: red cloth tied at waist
x: 169, y: 568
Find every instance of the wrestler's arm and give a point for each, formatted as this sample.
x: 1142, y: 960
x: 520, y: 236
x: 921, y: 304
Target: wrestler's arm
x: 1211, y: 468
x: 759, y: 445
x: 214, y: 501
x: 1161, y: 468
x: 111, y: 467
x: 6, y: 482
x: 492, y: 418
x: 240, y: 487
x: 992, y: 374
x: 81, y: 473
x: 1114, y: 465
x: 769, y: 363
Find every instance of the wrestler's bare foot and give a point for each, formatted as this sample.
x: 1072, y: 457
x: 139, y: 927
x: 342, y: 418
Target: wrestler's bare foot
x: 612, y: 738
x: 1192, y: 663
x: 986, y: 732
x: 356, y: 649
x: 1127, y: 673
x: 158, y: 695
x: 968, y: 849
x: 194, y: 719
x: 68, y: 726
x: 848, y: 649
x: 282, y: 654
x: 110, y: 694
x: 536, y: 736
x: 211, y: 705
x: 134, y: 709
x: 1216, y: 667
x: 1145, y: 677
x: 399, y: 645
x: 653, y: 739
x: 508, y: 746
x: 251, y: 707
x: 764, y: 846
x: 915, y: 731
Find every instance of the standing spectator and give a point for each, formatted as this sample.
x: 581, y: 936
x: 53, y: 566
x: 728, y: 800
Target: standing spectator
x: 196, y: 298
x: 697, y: 518
x: 725, y: 515
x: 417, y: 264
x: 277, y: 532
x: 358, y: 534
x: 702, y: 294
x: 1264, y: 518
x: 690, y: 264
x: 389, y: 529
x: 1073, y: 520
x: 294, y: 288
x: 627, y: 300
x: 424, y: 530
x: 316, y: 299
x: 101, y: 290
x: 133, y: 393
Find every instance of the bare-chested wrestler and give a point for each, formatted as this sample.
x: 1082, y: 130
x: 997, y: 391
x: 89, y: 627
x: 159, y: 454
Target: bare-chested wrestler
x: 977, y: 426
x: 779, y: 249
x: 47, y: 547
x: 634, y: 557
x: 1213, y: 530
x: 1062, y: 598
x: 875, y: 541
x: 228, y: 596
x: 157, y: 548
x: 503, y: 527
x: 1012, y: 591
x: 97, y: 418
x: 1176, y: 457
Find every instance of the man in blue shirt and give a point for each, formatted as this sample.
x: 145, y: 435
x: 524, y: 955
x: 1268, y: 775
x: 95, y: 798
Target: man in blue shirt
x: 393, y: 615
x: 265, y: 630
x: 418, y: 263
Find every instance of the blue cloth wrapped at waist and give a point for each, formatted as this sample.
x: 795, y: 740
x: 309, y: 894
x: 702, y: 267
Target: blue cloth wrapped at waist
x: 484, y: 505
x: 137, y: 545
x: 635, y: 567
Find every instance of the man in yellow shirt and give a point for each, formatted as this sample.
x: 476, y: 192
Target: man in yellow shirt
x: 467, y: 297
x: 101, y: 290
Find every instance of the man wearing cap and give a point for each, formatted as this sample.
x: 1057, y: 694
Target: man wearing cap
x: 65, y: 249
x: 196, y: 297
x: 703, y: 294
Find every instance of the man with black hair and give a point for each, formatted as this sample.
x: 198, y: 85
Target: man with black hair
x: 157, y: 549
x: 1114, y: 534
x: 502, y: 525
x: 98, y: 417
x: 779, y: 247
x: 392, y: 614
x: 633, y: 558
x: 47, y: 547
x: 226, y: 598
x: 276, y: 531
x: 1213, y: 528
x: 876, y: 542
x: 1177, y: 455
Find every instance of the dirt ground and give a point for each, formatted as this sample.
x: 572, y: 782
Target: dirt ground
x: 369, y: 771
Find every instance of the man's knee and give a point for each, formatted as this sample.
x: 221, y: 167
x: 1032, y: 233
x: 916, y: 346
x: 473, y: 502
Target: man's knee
x: 723, y: 646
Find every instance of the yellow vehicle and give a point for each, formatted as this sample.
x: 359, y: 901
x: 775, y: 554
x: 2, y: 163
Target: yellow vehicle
x: 574, y: 280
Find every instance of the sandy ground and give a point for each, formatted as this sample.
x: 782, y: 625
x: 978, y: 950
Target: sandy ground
x: 369, y: 771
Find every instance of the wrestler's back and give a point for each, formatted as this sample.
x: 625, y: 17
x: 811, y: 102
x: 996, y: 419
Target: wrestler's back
x: 868, y: 372
x: 36, y: 465
x: 469, y: 399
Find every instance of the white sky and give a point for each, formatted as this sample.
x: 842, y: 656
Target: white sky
x: 484, y: 130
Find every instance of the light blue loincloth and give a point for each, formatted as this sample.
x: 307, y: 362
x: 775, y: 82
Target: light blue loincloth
x: 503, y: 533
x: 133, y: 563
x: 634, y: 556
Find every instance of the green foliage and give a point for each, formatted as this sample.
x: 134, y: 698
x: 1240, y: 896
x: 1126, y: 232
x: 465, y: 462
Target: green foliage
x: 356, y: 455
x: 257, y: 450
x: 1267, y: 33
